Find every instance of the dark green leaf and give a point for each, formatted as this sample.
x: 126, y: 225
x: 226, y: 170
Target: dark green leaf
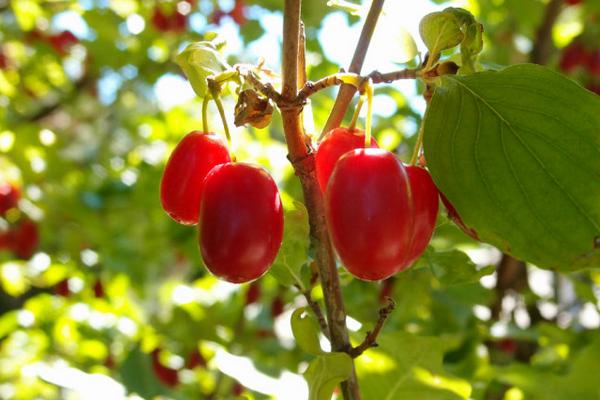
x: 517, y: 152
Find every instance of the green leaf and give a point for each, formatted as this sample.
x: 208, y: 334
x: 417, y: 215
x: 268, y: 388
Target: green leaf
x: 306, y: 331
x: 292, y: 255
x: 579, y: 383
x: 325, y: 372
x: 405, y: 366
x: 517, y: 152
x: 440, y: 31
x: 27, y: 12
x: 452, y: 267
x: 200, y: 60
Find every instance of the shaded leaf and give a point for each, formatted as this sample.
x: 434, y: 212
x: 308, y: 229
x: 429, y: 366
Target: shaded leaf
x: 453, y: 267
x: 517, y: 152
x: 198, y: 61
x: 440, y: 31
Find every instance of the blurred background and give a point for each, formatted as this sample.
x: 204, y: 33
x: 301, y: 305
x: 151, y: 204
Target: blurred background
x: 103, y: 296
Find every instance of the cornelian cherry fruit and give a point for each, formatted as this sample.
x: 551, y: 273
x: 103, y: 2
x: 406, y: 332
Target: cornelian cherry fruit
x: 183, y: 179
x: 335, y: 144
x: 369, y: 214
x: 380, y: 214
x: 9, y: 197
x: 424, y: 198
x: 241, y: 222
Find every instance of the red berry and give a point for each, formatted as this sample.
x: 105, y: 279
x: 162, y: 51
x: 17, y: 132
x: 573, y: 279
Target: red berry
x: 62, y: 41
x: 335, y: 144
x: 195, y: 359
x: 183, y: 179
x: 237, y: 389
x: 508, y: 345
x: 24, y: 239
x: 253, y: 293
x: 277, y: 307
x: 369, y: 213
x: 572, y: 57
x: 573, y: 2
x: 241, y: 222
x: 237, y: 13
x: 160, y: 21
x: 593, y: 63
x: 62, y: 288
x: 3, y: 60
x: 168, y: 376
x: 9, y: 197
x: 453, y: 215
x: 178, y: 22
x: 424, y: 197
x: 98, y: 289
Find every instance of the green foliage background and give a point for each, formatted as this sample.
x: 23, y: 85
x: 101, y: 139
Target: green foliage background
x: 90, y: 165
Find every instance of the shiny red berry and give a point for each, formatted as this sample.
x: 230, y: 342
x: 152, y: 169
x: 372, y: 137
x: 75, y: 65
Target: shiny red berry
x: 425, y: 202
x: 241, y: 222
x: 183, y: 179
x: 335, y: 144
x: 369, y: 213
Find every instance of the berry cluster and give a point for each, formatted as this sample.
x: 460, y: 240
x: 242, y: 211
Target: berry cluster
x: 236, y: 205
x: 22, y: 236
x: 381, y: 214
x: 61, y: 42
x: 577, y: 56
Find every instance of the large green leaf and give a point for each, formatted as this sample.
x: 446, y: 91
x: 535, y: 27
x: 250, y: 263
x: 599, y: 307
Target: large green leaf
x: 405, y: 366
x: 517, y: 152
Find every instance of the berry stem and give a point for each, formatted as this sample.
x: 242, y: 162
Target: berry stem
x: 214, y: 89
x: 369, y: 93
x: 359, y: 105
x: 205, y: 114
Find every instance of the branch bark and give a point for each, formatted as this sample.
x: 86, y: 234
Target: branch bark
x: 347, y: 91
x: 302, y: 158
x: 542, y: 47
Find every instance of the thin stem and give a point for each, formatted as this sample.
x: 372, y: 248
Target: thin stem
x: 369, y: 94
x: 215, y: 95
x: 371, y: 338
x: 346, y: 91
x: 418, y: 145
x: 205, y: 114
x: 361, y: 101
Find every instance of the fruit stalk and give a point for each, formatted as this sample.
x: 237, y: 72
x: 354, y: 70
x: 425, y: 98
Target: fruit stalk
x: 304, y: 166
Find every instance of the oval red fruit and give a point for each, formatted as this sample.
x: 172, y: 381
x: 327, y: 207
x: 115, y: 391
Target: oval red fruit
x: 24, y: 239
x: 424, y: 198
x: 368, y: 212
x: 335, y: 144
x: 183, y: 179
x: 241, y: 222
x: 9, y: 197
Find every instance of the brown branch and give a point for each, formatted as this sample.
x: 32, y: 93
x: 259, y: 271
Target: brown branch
x: 347, y: 91
x: 303, y: 162
x: 371, y: 338
x: 316, y: 308
x: 542, y: 47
